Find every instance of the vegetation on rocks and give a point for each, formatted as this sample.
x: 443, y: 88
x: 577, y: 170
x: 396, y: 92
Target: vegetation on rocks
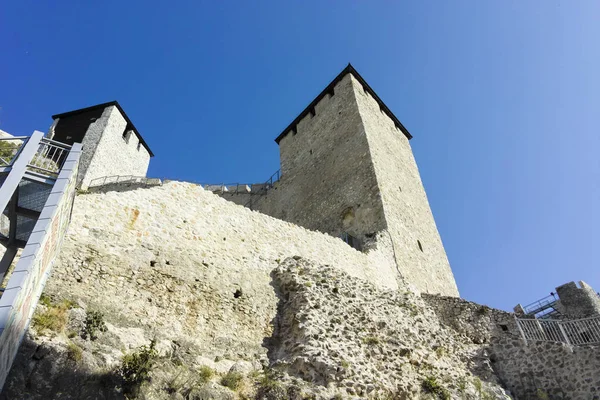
x: 74, y: 352
x: 232, y: 380
x: 94, y: 323
x: 53, y: 317
x: 431, y: 385
x: 135, y: 367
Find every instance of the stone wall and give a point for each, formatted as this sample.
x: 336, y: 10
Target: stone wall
x: 578, y: 302
x: 106, y: 152
x: 532, y: 370
x: 31, y: 271
x: 547, y: 370
x: 478, y: 322
x: 160, y: 255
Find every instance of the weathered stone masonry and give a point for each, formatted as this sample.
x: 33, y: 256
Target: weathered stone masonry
x: 111, y: 143
x: 347, y: 167
x: 578, y: 302
x: 533, y: 370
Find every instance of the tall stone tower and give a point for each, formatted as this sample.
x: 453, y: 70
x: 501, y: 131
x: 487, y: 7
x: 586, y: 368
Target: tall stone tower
x: 348, y: 168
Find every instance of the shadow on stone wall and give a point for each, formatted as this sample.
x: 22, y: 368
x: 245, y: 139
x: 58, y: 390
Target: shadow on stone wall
x: 46, y: 371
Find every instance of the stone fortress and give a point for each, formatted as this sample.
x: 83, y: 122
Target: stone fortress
x: 312, y: 289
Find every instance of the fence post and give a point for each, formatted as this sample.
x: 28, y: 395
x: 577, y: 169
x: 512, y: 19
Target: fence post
x: 521, y: 330
x: 562, y: 330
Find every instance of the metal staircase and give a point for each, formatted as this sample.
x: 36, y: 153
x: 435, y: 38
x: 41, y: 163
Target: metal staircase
x: 544, y: 308
x: 29, y: 167
x: 38, y: 177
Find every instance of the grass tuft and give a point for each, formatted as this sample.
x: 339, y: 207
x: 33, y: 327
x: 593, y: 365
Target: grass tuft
x: 431, y: 385
x: 232, y: 380
x: 54, y: 318
x: 371, y: 340
x: 206, y: 374
x: 74, y: 352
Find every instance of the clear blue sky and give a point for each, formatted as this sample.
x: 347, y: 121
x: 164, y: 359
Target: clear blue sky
x: 502, y: 98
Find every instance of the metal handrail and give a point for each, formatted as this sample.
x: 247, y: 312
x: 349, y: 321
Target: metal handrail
x: 579, y: 332
x: 121, y: 179
x: 540, y: 305
x: 14, y: 152
x: 261, y: 187
x: 50, y: 156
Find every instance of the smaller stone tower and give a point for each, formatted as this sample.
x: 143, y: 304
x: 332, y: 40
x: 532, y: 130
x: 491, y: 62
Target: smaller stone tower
x: 578, y: 302
x: 112, y: 146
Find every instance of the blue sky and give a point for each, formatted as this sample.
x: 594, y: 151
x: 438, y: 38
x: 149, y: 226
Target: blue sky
x: 502, y: 98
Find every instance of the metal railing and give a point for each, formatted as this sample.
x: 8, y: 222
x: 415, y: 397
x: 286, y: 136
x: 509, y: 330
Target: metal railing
x: 234, y: 188
x: 10, y: 147
x: 49, y: 157
x: 109, y: 180
x: 540, y: 305
x: 578, y: 332
x: 274, y: 178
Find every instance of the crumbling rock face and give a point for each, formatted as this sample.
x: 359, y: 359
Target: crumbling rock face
x: 345, y: 337
x: 478, y: 323
x: 332, y: 336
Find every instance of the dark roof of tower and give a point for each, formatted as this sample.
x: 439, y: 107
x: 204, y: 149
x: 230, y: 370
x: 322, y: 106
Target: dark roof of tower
x: 115, y: 103
x: 329, y: 89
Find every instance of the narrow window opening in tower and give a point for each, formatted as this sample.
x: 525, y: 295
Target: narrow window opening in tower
x: 351, y: 241
x: 126, y: 136
x: 420, y: 245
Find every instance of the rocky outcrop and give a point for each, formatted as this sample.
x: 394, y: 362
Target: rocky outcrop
x: 348, y: 338
x: 331, y: 336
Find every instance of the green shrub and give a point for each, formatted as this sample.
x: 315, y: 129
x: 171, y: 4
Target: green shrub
x: 542, y: 395
x: 478, y: 385
x: 440, y: 351
x: 94, y: 323
x: 74, y: 352
x: 462, y: 387
x: 431, y: 385
x: 54, y: 318
x: 206, y: 374
x: 232, y: 380
x: 269, y: 388
x: 371, y: 340
x: 45, y: 300
x: 135, y: 367
x: 8, y: 149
